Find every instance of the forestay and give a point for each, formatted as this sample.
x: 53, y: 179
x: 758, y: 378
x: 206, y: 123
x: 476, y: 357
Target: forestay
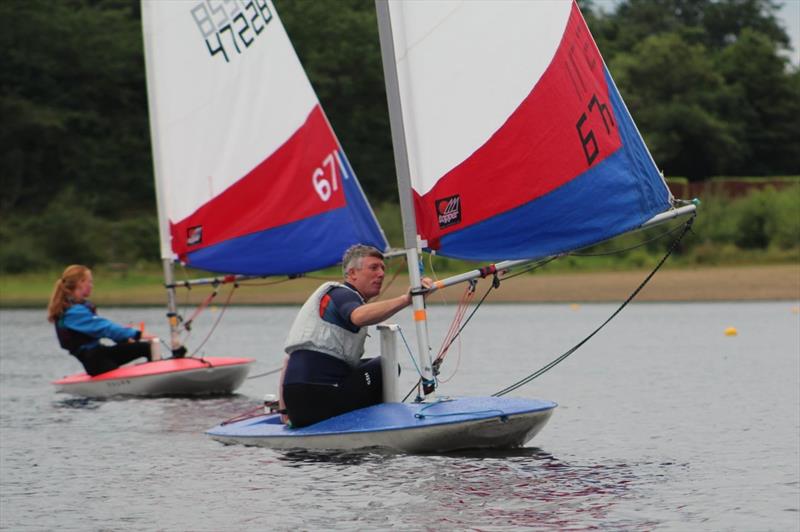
x: 519, y: 144
x: 250, y: 176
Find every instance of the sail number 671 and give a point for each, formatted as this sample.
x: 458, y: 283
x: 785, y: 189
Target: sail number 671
x: 324, y: 177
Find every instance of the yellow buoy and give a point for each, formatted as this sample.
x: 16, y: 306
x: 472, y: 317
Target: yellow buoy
x: 731, y: 331
x: 575, y: 306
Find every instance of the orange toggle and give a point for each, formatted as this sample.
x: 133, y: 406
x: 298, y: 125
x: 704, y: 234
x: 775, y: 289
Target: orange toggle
x: 419, y: 315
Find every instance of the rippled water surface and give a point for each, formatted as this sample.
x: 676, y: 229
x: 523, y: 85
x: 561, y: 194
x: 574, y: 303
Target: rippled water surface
x: 664, y: 423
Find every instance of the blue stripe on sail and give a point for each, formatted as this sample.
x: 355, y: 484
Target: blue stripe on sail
x: 303, y: 246
x: 361, y: 217
x: 614, y: 197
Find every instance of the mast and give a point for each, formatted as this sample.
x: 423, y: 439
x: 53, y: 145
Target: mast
x: 410, y: 238
x: 163, y: 221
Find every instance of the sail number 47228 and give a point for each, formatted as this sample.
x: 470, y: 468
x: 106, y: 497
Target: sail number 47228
x: 324, y: 177
x: 230, y: 22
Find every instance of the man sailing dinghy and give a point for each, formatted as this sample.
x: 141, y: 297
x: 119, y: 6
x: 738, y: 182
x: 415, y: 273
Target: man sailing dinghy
x: 511, y: 141
x: 250, y: 179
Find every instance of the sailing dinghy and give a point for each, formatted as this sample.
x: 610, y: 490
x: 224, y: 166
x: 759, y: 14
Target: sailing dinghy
x: 250, y: 179
x: 511, y: 142
x: 171, y: 376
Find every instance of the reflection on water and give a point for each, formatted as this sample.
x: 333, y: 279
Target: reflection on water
x: 525, y: 487
x: 664, y: 423
x: 78, y: 403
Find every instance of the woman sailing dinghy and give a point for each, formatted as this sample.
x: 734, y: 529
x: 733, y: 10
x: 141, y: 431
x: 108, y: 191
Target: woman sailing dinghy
x: 511, y: 141
x: 250, y: 179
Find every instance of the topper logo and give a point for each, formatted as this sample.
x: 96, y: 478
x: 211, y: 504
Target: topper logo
x: 194, y: 235
x: 448, y: 211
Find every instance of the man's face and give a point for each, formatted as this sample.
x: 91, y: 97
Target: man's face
x: 368, y: 279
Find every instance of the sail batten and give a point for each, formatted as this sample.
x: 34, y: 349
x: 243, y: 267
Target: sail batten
x: 245, y: 156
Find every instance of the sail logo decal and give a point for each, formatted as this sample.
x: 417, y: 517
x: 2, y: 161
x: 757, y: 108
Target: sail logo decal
x: 449, y: 211
x: 230, y: 28
x: 194, y: 235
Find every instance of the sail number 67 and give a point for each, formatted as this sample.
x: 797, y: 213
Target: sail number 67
x: 588, y: 141
x: 324, y: 177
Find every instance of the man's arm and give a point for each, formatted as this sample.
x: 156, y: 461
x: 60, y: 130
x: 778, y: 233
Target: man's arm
x: 373, y: 313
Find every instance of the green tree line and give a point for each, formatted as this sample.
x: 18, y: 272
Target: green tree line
x: 707, y: 81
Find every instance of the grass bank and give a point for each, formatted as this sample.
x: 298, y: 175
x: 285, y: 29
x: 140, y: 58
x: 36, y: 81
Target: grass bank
x: 703, y: 283
x: 754, y: 237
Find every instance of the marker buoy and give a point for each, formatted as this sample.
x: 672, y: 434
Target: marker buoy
x: 731, y: 331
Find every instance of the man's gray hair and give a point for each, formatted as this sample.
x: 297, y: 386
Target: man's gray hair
x: 353, y: 256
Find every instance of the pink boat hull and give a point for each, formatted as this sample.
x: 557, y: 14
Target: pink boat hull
x: 173, y: 376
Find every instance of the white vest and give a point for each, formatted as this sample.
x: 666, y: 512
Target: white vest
x: 309, y: 331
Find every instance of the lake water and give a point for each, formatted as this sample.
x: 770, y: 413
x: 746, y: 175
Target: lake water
x: 664, y: 423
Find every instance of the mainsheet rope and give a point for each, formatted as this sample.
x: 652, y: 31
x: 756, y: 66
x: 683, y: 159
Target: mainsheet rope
x: 270, y: 372
x: 496, y: 283
x: 446, y: 346
x: 686, y: 228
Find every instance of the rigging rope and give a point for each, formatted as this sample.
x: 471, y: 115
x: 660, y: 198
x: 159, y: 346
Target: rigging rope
x: 248, y: 282
x: 461, y: 309
x: 270, y: 372
x: 219, y: 318
x: 623, y: 250
x: 686, y: 228
x: 469, y: 292
x: 253, y: 412
x: 495, y: 284
x: 187, y: 325
x: 413, y: 361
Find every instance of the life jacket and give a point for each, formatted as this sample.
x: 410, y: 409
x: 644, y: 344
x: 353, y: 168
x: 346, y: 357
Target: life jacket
x: 70, y: 339
x: 310, y: 332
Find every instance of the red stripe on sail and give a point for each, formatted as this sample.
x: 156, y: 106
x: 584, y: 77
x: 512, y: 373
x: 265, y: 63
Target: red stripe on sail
x: 279, y: 191
x: 563, y: 127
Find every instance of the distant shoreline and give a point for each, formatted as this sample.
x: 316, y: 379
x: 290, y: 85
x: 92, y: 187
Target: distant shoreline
x: 723, y: 283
